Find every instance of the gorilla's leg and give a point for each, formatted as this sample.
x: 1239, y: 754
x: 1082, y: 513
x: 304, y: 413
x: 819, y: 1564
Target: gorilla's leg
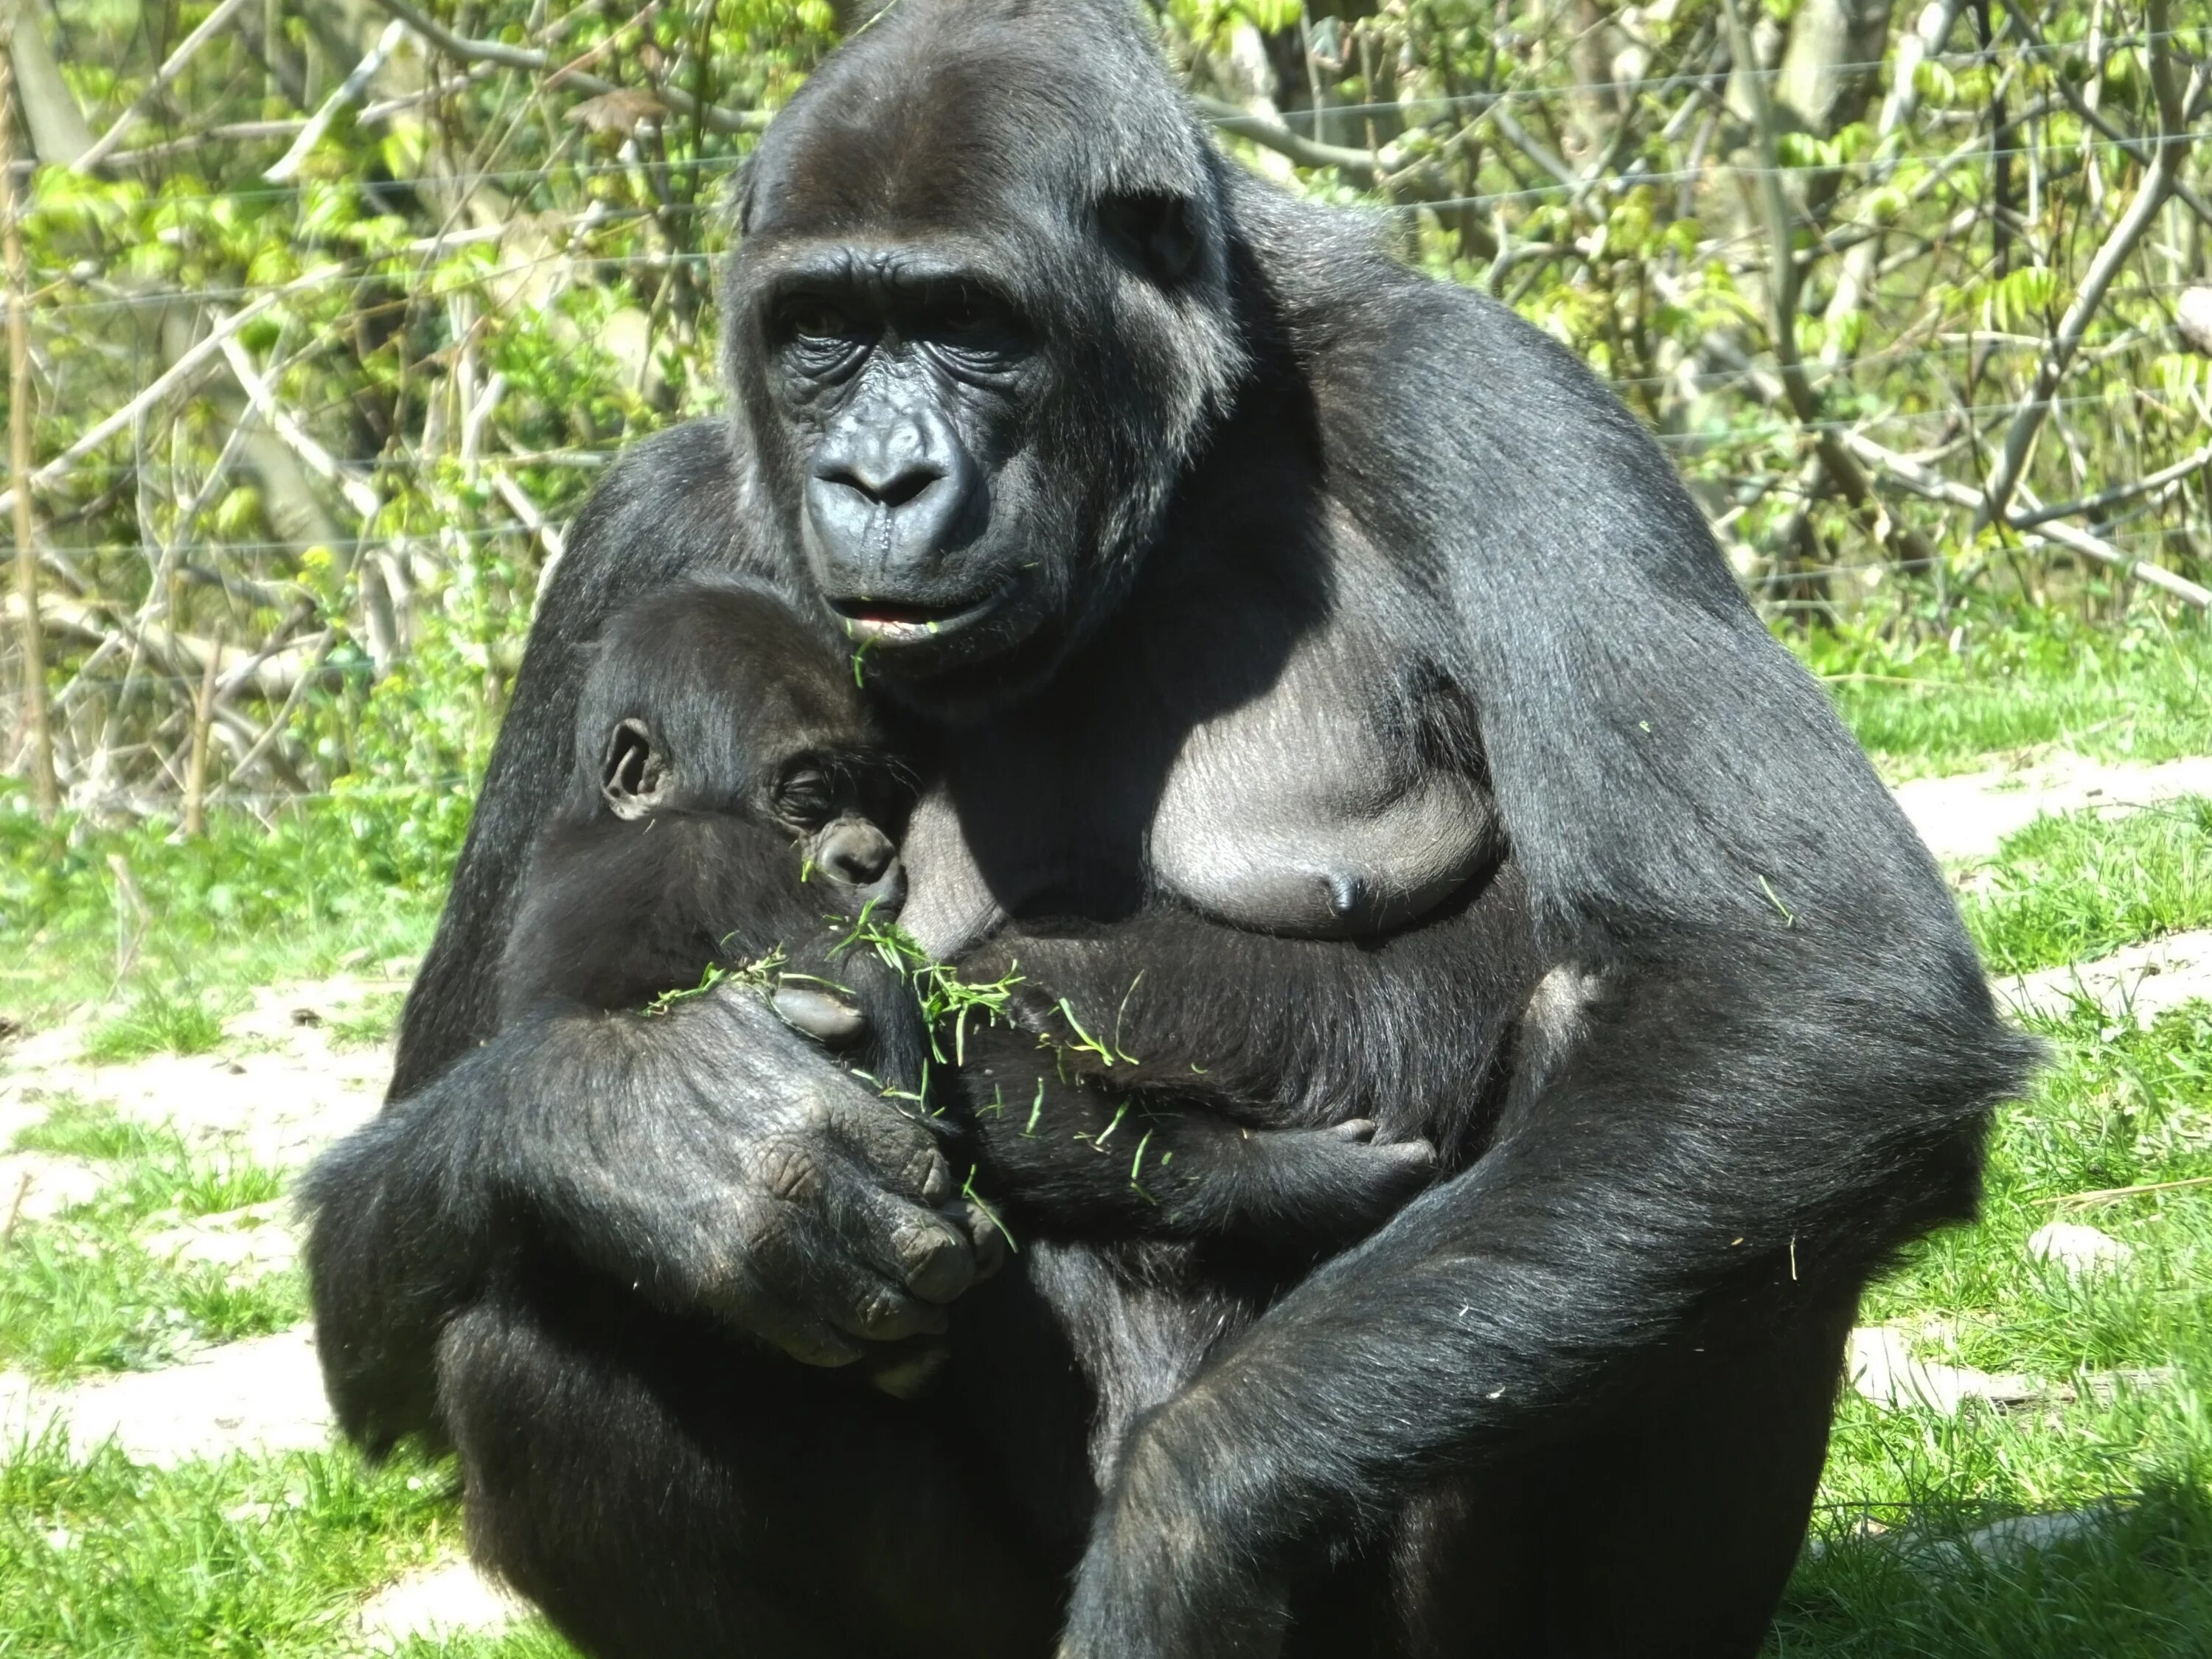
x: 1671, y: 1537
x: 659, y: 1494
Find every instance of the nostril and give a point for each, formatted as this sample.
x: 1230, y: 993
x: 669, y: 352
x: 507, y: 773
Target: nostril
x: 894, y: 492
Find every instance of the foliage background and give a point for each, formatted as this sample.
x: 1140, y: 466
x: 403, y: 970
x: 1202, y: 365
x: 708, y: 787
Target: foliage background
x: 336, y: 309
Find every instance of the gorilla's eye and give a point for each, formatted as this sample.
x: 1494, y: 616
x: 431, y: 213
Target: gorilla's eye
x: 975, y: 331
x: 817, y: 322
x: 805, y: 798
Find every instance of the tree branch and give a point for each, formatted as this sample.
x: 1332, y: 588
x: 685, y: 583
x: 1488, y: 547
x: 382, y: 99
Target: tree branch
x: 187, y: 364
x: 348, y: 89
x: 169, y: 70
x: 534, y: 61
x: 2166, y: 159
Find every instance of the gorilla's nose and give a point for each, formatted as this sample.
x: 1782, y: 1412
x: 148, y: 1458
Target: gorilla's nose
x: 855, y: 853
x: 887, y: 495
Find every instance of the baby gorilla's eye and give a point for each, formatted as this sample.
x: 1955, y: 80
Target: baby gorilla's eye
x: 805, y: 799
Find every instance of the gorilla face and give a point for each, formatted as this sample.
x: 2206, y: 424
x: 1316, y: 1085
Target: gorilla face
x: 975, y: 340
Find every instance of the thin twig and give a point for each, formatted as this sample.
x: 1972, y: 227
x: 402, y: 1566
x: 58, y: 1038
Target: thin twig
x: 195, y: 773
x: 105, y: 144
x: 44, y: 788
x: 351, y: 87
x: 2114, y: 1194
x: 2149, y: 483
x: 529, y: 58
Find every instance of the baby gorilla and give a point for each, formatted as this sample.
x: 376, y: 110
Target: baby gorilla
x: 731, y: 801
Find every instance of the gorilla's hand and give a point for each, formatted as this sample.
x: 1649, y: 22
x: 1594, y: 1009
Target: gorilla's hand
x: 717, y: 1161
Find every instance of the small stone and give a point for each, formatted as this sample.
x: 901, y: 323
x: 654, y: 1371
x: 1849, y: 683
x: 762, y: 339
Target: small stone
x: 2192, y: 313
x: 2077, y: 1248
x: 1882, y: 1369
x: 445, y: 1601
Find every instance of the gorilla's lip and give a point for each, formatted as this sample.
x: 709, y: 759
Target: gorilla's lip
x: 889, y: 624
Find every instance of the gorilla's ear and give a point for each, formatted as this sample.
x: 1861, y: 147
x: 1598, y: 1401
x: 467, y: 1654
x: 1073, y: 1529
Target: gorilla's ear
x: 741, y: 189
x: 1154, y: 231
x: 634, y: 773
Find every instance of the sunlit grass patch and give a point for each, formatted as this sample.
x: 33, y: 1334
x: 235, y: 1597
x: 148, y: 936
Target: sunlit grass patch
x: 240, y: 1556
x: 156, y: 1021
x: 2074, y: 888
x: 2123, y: 1427
x: 2010, y: 679
x: 83, y: 1292
x: 371, y: 1024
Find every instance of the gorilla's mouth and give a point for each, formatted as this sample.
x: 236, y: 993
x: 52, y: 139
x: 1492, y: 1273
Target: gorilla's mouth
x: 887, y: 625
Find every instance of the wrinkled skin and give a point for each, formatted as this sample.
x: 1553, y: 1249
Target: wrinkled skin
x: 1167, y: 509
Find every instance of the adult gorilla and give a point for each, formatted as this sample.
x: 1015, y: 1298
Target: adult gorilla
x: 1207, y: 556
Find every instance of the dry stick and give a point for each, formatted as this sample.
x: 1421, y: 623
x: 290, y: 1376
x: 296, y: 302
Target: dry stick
x: 15, y: 1209
x: 1836, y: 460
x: 348, y: 89
x: 528, y: 57
x: 2166, y: 160
x: 43, y: 789
x: 104, y: 146
x: 179, y: 372
x: 2114, y: 1194
x: 196, y: 772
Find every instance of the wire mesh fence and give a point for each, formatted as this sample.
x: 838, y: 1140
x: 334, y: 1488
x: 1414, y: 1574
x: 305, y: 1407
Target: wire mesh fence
x: 334, y: 314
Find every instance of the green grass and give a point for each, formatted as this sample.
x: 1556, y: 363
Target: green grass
x: 2117, y: 1109
x: 184, y: 926
x: 2073, y: 888
x: 373, y: 1023
x: 2016, y: 683
x: 230, y: 1559
x: 81, y: 1293
x: 157, y: 1021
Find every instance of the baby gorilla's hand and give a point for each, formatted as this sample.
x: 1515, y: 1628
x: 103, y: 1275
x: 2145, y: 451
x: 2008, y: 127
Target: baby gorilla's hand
x: 1337, y: 1184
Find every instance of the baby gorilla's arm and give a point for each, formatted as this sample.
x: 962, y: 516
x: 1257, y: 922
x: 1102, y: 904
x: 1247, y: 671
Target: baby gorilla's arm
x: 1074, y: 1157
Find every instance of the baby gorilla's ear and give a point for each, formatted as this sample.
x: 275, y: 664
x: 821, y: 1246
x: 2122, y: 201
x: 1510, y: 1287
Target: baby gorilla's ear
x: 634, y: 773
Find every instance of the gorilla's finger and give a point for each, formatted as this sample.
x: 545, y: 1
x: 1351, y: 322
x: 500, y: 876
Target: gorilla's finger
x: 820, y: 1014
x: 986, y: 1232
x: 805, y: 1337
x: 870, y: 1306
x: 902, y: 1154
x: 907, y: 1371
x: 925, y: 1250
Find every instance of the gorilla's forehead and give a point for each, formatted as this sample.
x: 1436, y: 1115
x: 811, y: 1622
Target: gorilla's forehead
x: 965, y: 111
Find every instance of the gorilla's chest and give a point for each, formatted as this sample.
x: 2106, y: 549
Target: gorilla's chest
x: 1295, y: 791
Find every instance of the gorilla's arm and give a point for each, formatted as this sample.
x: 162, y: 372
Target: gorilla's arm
x: 715, y: 1159
x: 706, y: 1157
x: 1765, y: 1057
x: 1705, y: 1147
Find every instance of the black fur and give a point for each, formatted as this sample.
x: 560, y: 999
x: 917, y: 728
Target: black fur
x: 1255, y: 564
x: 729, y: 800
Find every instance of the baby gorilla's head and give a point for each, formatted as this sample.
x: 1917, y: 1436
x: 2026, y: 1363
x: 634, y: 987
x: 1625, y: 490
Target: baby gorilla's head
x: 710, y: 699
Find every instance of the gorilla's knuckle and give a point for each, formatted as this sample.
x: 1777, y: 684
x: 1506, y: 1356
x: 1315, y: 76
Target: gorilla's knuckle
x: 926, y: 1172
x: 936, y: 1262
x: 789, y: 1171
